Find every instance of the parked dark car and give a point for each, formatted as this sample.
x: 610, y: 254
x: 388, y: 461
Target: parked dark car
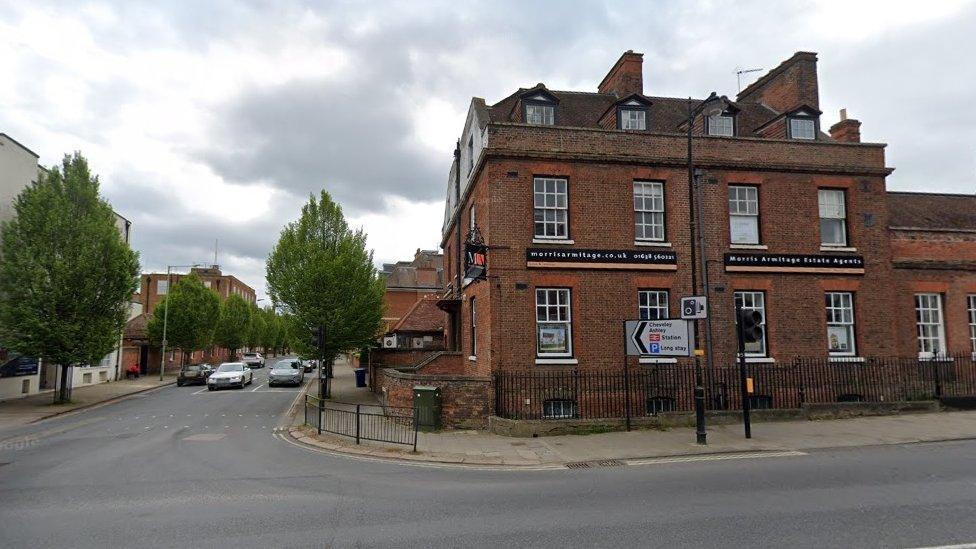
x: 194, y: 373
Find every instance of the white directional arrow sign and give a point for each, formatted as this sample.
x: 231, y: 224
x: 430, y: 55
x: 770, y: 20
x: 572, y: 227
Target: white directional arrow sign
x: 660, y: 338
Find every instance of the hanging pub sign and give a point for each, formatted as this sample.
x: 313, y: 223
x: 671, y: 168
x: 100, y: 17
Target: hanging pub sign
x: 639, y: 260
x: 794, y: 263
x: 475, y: 261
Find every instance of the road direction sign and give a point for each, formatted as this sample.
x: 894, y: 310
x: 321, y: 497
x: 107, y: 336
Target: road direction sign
x: 660, y: 338
x: 694, y: 307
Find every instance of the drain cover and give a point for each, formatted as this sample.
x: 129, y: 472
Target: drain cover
x: 610, y: 463
x: 578, y: 465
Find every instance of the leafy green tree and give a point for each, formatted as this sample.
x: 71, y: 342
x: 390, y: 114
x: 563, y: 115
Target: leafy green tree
x: 270, y: 336
x: 193, y: 313
x: 66, y: 273
x: 256, y: 328
x: 233, y: 324
x: 321, y: 271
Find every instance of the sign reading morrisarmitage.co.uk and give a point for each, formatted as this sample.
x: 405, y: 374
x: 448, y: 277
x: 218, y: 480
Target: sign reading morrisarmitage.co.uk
x: 601, y: 259
x: 661, y: 338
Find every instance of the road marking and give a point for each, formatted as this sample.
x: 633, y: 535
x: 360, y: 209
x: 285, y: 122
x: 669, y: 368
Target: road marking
x: 254, y: 390
x: 959, y: 546
x: 197, y: 393
x: 205, y: 437
x: 713, y: 457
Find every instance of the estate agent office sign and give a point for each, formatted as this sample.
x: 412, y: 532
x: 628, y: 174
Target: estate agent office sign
x: 601, y: 259
x: 794, y: 263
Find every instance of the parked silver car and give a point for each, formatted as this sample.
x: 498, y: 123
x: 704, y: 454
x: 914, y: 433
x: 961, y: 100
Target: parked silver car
x: 230, y: 374
x: 253, y: 360
x: 286, y: 372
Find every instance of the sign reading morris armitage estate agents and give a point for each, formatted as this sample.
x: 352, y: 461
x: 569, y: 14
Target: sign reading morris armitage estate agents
x: 601, y: 259
x: 794, y: 263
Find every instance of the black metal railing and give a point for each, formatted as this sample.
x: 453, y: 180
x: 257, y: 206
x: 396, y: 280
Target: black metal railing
x: 391, y: 424
x: 652, y: 389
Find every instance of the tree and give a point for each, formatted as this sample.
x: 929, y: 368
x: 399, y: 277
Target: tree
x: 321, y: 271
x: 192, y: 318
x: 270, y: 336
x: 66, y: 273
x: 256, y: 328
x: 233, y: 324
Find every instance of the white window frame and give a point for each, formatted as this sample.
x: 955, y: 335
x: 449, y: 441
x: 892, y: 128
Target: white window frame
x: 549, y: 409
x: 554, y: 307
x: 727, y: 125
x: 800, y: 123
x: 653, y: 304
x: 754, y: 300
x: 840, y: 315
x: 972, y: 321
x: 630, y: 122
x: 470, y: 153
x: 930, y: 325
x: 162, y: 287
x: 471, y: 217
x: 544, y: 116
x: 743, y: 206
x: 832, y: 209
x: 649, y: 214
x: 550, y: 199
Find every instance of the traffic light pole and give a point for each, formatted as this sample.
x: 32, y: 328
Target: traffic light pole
x: 739, y: 329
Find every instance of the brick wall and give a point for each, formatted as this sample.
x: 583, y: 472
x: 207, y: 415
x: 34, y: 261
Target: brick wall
x: 465, y: 400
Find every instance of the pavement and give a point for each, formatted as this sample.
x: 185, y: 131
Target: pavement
x: 22, y: 411
x: 482, y: 448
x: 181, y: 466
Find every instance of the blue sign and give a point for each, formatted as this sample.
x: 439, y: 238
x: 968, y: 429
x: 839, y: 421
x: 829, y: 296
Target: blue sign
x: 19, y: 366
x: 655, y: 348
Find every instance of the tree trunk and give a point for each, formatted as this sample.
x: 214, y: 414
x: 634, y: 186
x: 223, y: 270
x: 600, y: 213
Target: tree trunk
x: 64, y: 391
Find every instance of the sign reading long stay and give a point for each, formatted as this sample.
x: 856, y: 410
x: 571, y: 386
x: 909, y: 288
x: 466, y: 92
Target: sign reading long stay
x: 600, y: 259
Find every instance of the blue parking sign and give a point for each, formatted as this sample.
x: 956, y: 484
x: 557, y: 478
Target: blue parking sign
x: 655, y: 348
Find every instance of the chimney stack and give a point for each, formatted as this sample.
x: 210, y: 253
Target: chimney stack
x: 847, y: 130
x: 626, y: 77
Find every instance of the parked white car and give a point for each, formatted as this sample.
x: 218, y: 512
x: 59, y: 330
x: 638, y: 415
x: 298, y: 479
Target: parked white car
x: 230, y: 374
x: 253, y: 360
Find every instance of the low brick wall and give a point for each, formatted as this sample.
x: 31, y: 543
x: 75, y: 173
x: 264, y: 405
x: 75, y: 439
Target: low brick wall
x: 466, y: 400
x: 392, y: 358
x: 667, y: 420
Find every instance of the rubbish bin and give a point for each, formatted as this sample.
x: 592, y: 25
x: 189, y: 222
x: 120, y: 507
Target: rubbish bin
x: 360, y: 377
x: 427, y: 403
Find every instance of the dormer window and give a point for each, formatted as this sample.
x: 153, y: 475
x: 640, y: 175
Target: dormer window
x: 540, y: 114
x: 802, y: 125
x: 633, y: 119
x: 721, y: 124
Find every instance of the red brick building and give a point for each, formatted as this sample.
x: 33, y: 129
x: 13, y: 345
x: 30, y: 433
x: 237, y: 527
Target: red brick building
x: 153, y: 287
x: 583, y: 200
x: 407, y: 282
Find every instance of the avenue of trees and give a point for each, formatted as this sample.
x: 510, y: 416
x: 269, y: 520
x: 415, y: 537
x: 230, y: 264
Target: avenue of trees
x: 321, y: 272
x: 66, y: 273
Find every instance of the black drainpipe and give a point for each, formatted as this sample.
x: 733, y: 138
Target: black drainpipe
x: 457, y: 229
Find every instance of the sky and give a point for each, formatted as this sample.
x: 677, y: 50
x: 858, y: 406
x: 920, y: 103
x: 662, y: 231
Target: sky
x: 213, y: 121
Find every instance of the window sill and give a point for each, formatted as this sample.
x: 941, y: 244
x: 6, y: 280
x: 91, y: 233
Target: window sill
x: 748, y: 246
x: 760, y: 360
x: 837, y: 249
x: 845, y: 359
x: 565, y: 360
x: 552, y: 241
x: 644, y: 360
x: 652, y: 243
x: 936, y: 359
x: 472, y: 358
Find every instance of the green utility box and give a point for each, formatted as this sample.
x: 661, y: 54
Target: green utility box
x: 427, y: 403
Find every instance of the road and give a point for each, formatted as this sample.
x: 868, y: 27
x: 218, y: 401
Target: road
x: 182, y: 467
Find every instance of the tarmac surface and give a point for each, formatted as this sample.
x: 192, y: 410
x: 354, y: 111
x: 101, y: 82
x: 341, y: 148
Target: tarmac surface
x: 181, y: 466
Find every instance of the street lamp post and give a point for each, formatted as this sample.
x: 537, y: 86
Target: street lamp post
x: 169, y: 281
x: 708, y: 107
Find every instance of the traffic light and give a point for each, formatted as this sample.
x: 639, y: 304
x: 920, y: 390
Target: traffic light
x: 317, y: 340
x: 750, y: 322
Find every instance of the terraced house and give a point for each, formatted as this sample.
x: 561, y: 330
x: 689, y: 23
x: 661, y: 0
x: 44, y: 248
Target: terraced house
x: 583, y: 201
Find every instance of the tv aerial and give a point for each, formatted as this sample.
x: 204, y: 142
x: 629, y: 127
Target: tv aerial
x: 739, y: 72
